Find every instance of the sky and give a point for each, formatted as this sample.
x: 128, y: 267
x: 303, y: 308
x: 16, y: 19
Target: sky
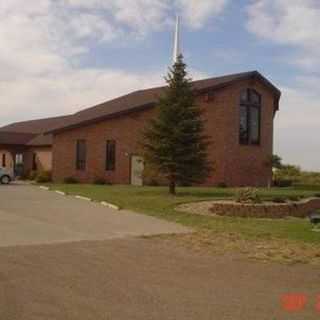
x: 60, y: 56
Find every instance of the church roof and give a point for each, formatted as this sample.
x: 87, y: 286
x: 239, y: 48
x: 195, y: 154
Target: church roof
x: 143, y: 99
x: 35, y: 126
x: 39, y: 132
x: 15, y: 138
x: 30, y: 132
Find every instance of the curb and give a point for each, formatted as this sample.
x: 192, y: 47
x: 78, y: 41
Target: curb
x: 60, y: 192
x: 110, y: 205
x: 83, y: 198
x: 103, y: 203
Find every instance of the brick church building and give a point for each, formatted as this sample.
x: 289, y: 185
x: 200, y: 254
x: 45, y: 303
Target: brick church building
x: 102, y: 142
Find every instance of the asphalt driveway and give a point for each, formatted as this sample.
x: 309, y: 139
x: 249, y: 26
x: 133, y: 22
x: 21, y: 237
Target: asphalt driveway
x: 54, y: 275
x: 29, y: 215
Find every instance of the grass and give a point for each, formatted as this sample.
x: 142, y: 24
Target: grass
x: 156, y: 201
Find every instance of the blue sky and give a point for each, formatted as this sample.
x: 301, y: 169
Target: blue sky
x: 58, y: 56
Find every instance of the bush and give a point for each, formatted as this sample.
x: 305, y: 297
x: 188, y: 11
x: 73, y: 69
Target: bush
x: 248, y: 195
x: 44, y: 177
x: 283, y: 183
x: 317, y: 195
x: 222, y: 185
x: 100, y: 181
x: 294, y: 198
x: 23, y: 176
x: 32, y: 175
x: 70, y: 180
x: 278, y: 200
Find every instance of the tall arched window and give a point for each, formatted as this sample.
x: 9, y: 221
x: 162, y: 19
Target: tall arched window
x: 250, y: 117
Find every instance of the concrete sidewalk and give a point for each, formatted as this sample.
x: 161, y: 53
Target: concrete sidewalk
x: 29, y: 215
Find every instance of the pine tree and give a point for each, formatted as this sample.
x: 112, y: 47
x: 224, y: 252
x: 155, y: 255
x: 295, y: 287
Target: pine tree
x: 174, y: 142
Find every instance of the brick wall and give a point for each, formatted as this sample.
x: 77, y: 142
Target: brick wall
x: 234, y: 164
x: 43, y: 159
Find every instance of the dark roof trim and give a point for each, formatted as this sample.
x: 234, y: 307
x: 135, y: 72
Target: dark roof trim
x: 15, y: 138
x: 252, y: 75
x: 201, y: 87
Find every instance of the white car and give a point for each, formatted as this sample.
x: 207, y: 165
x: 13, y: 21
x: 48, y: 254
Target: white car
x: 5, y: 176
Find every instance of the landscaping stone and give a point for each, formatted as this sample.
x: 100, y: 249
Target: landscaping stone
x: 299, y: 209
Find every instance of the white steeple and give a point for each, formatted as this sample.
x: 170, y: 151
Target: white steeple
x: 177, y: 47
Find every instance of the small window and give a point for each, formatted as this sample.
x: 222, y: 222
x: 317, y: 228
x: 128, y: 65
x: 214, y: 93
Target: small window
x: 111, y: 155
x: 34, y: 162
x: 81, y: 155
x: 250, y: 114
x: 4, y: 160
x: 19, y: 159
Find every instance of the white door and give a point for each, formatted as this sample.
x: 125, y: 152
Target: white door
x: 137, y: 167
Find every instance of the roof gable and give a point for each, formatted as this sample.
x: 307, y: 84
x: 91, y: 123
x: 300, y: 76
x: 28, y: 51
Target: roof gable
x: 142, y: 99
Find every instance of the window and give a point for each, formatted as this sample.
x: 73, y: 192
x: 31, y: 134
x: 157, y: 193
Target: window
x: 4, y: 160
x: 81, y: 155
x: 34, y: 162
x: 111, y: 155
x: 250, y: 117
x: 19, y: 159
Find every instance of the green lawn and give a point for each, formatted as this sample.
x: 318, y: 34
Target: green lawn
x: 157, y: 202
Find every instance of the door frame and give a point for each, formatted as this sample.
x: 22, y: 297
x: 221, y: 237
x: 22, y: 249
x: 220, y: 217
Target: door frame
x: 130, y: 167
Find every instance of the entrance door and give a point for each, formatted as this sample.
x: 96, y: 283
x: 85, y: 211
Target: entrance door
x: 137, y: 167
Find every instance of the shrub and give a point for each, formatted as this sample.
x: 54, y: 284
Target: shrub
x: 23, y: 176
x: 32, y: 175
x: 100, y: 181
x: 317, y: 195
x: 248, y: 195
x: 283, y: 183
x: 44, y: 177
x: 70, y: 180
x: 278, y: 200
x: 294, y: 198
x: 222, y: 185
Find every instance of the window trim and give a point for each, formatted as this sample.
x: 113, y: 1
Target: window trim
x: 110, y: 164
x: 249, y: 105
x: 81, y: 164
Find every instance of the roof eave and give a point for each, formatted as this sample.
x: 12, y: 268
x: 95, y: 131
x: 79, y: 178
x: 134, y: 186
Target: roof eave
x: 101, y: 119
x: 252, y: 75
x: 249, y: 75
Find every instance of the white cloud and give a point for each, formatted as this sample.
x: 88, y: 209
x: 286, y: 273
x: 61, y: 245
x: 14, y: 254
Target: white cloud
x: 146, y: 15
x: 40, y: 45
x: 289, y: 22
x: 68, y: 92
x: 197, y: 13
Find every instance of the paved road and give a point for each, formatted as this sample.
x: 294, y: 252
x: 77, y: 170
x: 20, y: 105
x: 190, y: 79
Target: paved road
x: 146, y: 279
x: 29, y: 215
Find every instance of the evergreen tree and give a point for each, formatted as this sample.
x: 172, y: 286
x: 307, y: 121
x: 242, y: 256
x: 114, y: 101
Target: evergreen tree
x: 174, y: 142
